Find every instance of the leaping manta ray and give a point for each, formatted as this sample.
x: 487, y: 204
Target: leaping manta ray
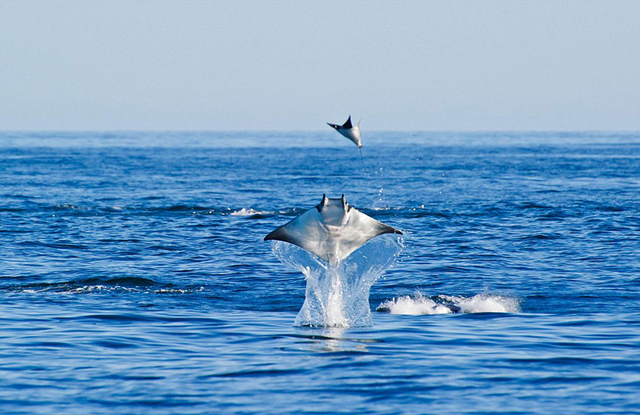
x: 348, y: 130
x: 331, y: 231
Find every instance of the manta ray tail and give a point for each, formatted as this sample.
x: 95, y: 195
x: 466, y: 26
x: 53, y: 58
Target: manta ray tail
x: 364, y: 169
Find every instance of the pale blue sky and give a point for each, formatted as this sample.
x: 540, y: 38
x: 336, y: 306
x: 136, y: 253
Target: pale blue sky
x: 293, y: 65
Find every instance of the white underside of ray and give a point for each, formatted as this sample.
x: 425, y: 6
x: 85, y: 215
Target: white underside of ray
x: 352, y: 134
x: 331, y: 243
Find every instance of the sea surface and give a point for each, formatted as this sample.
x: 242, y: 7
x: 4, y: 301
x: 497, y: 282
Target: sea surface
x: 134, y: 278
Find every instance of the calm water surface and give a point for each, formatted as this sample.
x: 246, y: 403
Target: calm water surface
x: 134, y: 278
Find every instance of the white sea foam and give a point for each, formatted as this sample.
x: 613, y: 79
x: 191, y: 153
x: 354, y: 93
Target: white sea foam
x: 248, y: 212
x: 486, y: 303
x: 98, y: 288
x: 114, y: 209
x: 446, y: 304
x: 413, y: 306
x: 88, y: 289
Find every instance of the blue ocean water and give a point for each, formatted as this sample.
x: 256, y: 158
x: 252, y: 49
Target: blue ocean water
x: 134, y: 278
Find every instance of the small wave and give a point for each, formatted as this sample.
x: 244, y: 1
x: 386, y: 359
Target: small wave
x: 73, y: 289
x: 107, y: 285
x: 59, y: 245
x: 12, y: 210
x: 113, y: 209
x: 250, y: 212
x: 87, y: 289
x: 540, y: 237
x: 70, y: 207
x: 185, y: 208
x: 531, y: 205
x: 107, y: 289
x: 178, y: 290
x: 125, y: 281
x: 260, y: 214
x: 446, y: 304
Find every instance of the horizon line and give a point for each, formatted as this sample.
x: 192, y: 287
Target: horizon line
x: 591, y: 131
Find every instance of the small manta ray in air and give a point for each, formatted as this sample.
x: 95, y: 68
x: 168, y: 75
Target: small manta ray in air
x: 349, y: 130
x: 332, y: 230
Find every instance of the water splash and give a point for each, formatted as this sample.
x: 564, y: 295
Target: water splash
x: 338, y: 295
x: 414, y: 306
x: 248, y: 212
x: 446, y: 304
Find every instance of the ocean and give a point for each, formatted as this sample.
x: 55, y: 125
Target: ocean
x: 134, y: 278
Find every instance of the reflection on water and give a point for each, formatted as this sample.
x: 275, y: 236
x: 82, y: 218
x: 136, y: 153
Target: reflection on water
x: 333, y: 340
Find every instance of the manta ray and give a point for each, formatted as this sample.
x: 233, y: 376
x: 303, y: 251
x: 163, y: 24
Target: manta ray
x: 348, y: 130
x: 332, y: 230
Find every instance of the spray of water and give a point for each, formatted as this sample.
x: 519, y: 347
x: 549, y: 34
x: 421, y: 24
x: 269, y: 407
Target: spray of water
x: 447, y: 304
x: 375, y: 179
x: 337, y: 295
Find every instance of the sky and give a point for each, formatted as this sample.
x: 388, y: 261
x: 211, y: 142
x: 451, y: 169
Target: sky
x: 451, y: 65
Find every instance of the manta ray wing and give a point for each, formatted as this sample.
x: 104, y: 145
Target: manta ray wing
x: 347, y: 125
x: 307, y: 231
x: 359, y: 230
